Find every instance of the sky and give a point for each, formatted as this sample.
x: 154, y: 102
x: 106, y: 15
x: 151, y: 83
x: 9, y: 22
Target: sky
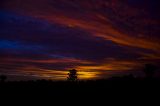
x: 99, y: 38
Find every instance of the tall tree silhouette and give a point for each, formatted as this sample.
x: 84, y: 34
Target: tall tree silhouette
x: 3, y: 78
x: 72, y: 75
x: 149, y: 70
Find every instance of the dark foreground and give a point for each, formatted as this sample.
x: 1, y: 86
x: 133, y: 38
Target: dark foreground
x: 111, y: 88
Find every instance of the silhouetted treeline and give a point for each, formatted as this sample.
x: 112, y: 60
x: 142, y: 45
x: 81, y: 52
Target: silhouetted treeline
x: 74, y: 91
x: 120, y: 82
x: 74, y: 87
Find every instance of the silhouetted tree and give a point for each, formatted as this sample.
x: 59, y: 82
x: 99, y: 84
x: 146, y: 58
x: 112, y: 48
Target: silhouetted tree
x: 149, y: 70
x: 72, y: 75
x: 3, y: 78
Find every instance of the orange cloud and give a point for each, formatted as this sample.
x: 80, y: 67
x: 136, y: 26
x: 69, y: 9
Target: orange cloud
x: 112, y: 65
x: 104, y: 30
x: 88, y: 16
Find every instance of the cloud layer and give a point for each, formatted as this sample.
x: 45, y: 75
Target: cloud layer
x: 45, y: 38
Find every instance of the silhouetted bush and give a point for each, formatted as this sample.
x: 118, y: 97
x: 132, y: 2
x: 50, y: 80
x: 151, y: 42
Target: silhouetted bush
x: 72, y: 75
x: 149, y: 70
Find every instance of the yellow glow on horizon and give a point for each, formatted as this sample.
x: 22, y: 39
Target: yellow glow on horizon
x: 87, y: 75
x: 57, y: 74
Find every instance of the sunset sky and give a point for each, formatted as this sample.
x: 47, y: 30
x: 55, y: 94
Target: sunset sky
x: 99, y: 38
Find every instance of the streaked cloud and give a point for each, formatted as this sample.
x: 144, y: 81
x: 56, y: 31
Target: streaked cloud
x: 48, y: 37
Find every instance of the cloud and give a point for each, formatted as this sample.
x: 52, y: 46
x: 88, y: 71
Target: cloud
x: 53, y: 36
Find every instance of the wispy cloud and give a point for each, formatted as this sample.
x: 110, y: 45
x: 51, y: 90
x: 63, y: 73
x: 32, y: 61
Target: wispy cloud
x: 47, y: 37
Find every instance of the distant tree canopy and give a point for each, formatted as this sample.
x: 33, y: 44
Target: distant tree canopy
x: 149, y: 70
x: 72, y: 75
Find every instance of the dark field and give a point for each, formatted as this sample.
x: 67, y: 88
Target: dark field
x: 60, y: 89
